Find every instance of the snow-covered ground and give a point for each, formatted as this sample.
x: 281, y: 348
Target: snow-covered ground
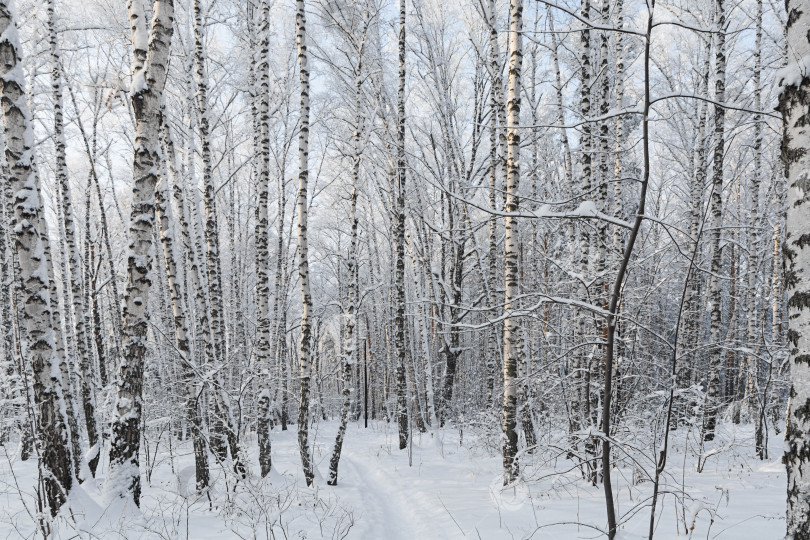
x: 448, y: 487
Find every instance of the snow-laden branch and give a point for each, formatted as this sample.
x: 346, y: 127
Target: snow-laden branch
x: 527, y: 311
x: 585, y: 210
x: 789, y: 75
x: 592, y: 24
x: 723, y: 104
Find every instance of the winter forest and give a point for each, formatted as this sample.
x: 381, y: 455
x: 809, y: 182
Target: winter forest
x: 398, y: 269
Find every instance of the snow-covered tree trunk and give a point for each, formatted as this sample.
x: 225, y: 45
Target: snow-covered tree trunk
x: 581, y: 398
x: 177, y: 295
x: 262, y: 252
x: 497, y: 165
x: 350, y: 346
x: 305, y: 348
x: 34, y: 266
x: 11, y: 363
x: 601, y: 293
x: 150, y: 65
x: 753, y: 368
x: 400, y: 326
x: 116, y: 309
x: 90, y: 292
x: 492, y: 239
x: 716, y: 331
x: 17, y: 311
x: 63, y: 337
x: 511, y: 333
x: 794, y: 104
x: 278, y: 338
x: 213, y: 265
x: 692, y: 312
x: 195, y: 273
x: 79, y: 314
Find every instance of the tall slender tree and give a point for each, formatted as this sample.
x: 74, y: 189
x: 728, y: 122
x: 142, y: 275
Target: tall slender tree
x: 75, y: 266
x: 179, y: 304
x: 305, y: 347
x: 400, y: 326
x: 716, y: 357
x: 794, y: 104
x: 511, y: 333
x: 262, y: 241
x: 35, y: 270
x: 149, y: 68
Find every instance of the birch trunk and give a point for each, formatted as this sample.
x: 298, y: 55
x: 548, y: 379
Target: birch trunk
x: 697, y: 181
x: 150, y: 64
x: 35, y: 266
x: 497, y: 162
x: 399, y: 241
x: 753, y: 369
x: 79, y: 311
x: 62, y: 337
x: 181, y: 339
x: 716, y: 332
x: 262, y: 253
x: 511, y: 334
x: 794, y: 104
x: 350, y: 347
x: 12, y: 364
x: 581, y: 405
x: 90, y: 150
x: 305, y: 348
x: 213, y: 264
x: 558, y: 90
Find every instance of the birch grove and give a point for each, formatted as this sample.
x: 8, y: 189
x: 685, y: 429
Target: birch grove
x: 251, y: 249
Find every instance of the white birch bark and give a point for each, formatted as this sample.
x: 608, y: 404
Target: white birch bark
x: 794, y: 104
x: 79, y: 310
x: 35, y: 267
x: 752, y: 368
x: 305, y: 347
x: 400, y: 326
x: 497, y: 165
x: 511, y: 334
x: 692, y: 312
x: 716, y: 331
x: 350, y: 347
x: 213, y: 266
x: 179, y: 304
x: 262, y: 252
x: 150, y: 65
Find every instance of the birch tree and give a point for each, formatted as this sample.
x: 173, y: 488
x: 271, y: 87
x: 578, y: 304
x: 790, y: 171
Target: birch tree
x: 305, y: 346
x: 351, y: 23
x: 399, y: 242
x: 511, y: 333
x: 754, y: 321
x: 213, y: 265
x: 35, y: 267
x: 79, y: 310
x: 149, y: 67
x: 262, y: 241
x: 716, y: 357
x: 794, y: 104
x: 179, y: 304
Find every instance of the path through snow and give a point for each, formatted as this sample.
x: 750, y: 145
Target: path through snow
x: 449, y: 491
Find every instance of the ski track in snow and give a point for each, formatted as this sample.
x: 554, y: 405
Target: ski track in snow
x: 448, y: 492
x: 383, y: 511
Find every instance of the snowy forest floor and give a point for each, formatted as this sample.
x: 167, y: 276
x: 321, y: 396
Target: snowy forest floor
x: 451, y: 490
